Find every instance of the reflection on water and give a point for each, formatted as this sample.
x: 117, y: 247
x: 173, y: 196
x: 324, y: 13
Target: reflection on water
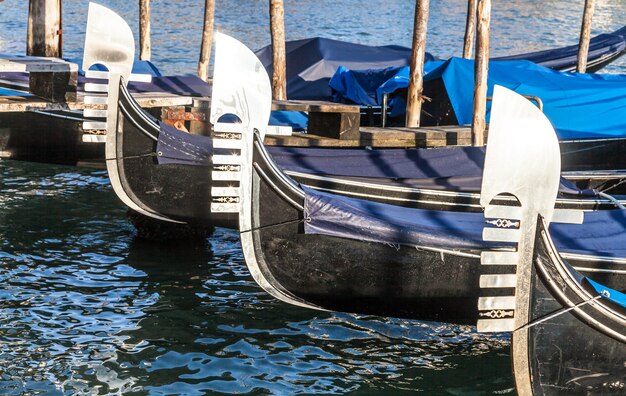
x: 85, y: 308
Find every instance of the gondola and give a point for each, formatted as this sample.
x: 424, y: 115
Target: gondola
x: 348, y: 269
x: 59, y: 136
x: 568, y: 331
x: 170, y: 173
x: 319, y: 250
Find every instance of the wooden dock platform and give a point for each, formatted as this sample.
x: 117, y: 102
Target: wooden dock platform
x: 375, y: 137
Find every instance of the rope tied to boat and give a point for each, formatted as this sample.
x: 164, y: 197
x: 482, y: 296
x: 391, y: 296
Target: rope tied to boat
x: 274, y: 225
x: 131, y: 157
x: 622, y: 181
x: 561, y: 311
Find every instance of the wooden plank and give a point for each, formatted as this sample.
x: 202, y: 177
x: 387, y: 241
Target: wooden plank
x: 145, y: 100
x: 314, y: 106
x: 379, y: 138
x: 334, y: 125
x: 36, y: 64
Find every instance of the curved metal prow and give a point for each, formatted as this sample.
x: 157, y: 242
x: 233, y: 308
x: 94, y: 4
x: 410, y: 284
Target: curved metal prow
x: 523, y: 159
x: 523, y: 156
x: 109, y: 41
x: 241, y: 85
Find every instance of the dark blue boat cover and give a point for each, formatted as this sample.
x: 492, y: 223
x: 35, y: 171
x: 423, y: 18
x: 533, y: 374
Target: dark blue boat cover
x: 602, y: 234
x: 312, y: 62
x: 565, y: 58
x: 442, y: 168
x: 578, y: 105
x: 184, y: 85
x: 445, y: 168
x: 182, y: 148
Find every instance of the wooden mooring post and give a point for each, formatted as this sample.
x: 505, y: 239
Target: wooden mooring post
x: 585, y: 33
x: 416, y: 79
x: 481, y: 69
x: 470, y: 27
x: 277, y: 28
x: 44, y: 34
x: 207, y: 36
x: 145, y: 50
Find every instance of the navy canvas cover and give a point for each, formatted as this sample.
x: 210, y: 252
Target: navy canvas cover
x: 182, y: 148
x: 442, y: 168
x: 183, y: 85
x: 602, y: 234
x: 312, y: 62
x: 566, y: 58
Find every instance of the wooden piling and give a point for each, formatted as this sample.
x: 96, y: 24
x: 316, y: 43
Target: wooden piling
x: 416, y: 80
x: 207, y: 37
x: 277, y: 28
x: 145, y: 50
x: 481, y: 69
x: 585, y: 33
x: 470, y: 27
x: 44, y: 33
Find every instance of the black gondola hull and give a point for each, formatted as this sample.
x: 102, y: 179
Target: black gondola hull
x: 358, y: 276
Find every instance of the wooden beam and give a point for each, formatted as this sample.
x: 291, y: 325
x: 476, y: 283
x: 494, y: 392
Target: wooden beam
x: 416, y: 80
x: 481, y: 69
x: 207, y: 37
x: 585, y: 33
x: 277, y: 28
x: 44, y: 34
x: 470, y: 27
x: 145, y: 50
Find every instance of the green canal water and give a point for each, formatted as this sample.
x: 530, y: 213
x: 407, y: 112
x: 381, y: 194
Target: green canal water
x: 85, y: 308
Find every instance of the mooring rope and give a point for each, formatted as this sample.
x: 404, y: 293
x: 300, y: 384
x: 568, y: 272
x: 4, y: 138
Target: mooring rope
x: 131, y: 157
x: 613, y: 186
x: 273, y: 225
x: 611, y: 198
x: 557, y: 313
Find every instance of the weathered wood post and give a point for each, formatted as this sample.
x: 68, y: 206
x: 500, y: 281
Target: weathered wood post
x: 44, y: 34
x: 145, y: 50
x: 416, y: 79
x: 470, y: 27
x: 277, y: 27
x: 585, y: 32
x: 207, y: 36
x: 481, y: 69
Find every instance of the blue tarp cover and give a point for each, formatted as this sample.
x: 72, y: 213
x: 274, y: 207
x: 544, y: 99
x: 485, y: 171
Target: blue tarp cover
x: 578, y: 105
x: 608, y: 293
x: 602, y: 234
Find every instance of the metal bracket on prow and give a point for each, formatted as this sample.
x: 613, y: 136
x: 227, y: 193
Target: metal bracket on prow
x: 227, y: 168
x: 241, y: 87
x: 107, y: 43
x: 523, y: 159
